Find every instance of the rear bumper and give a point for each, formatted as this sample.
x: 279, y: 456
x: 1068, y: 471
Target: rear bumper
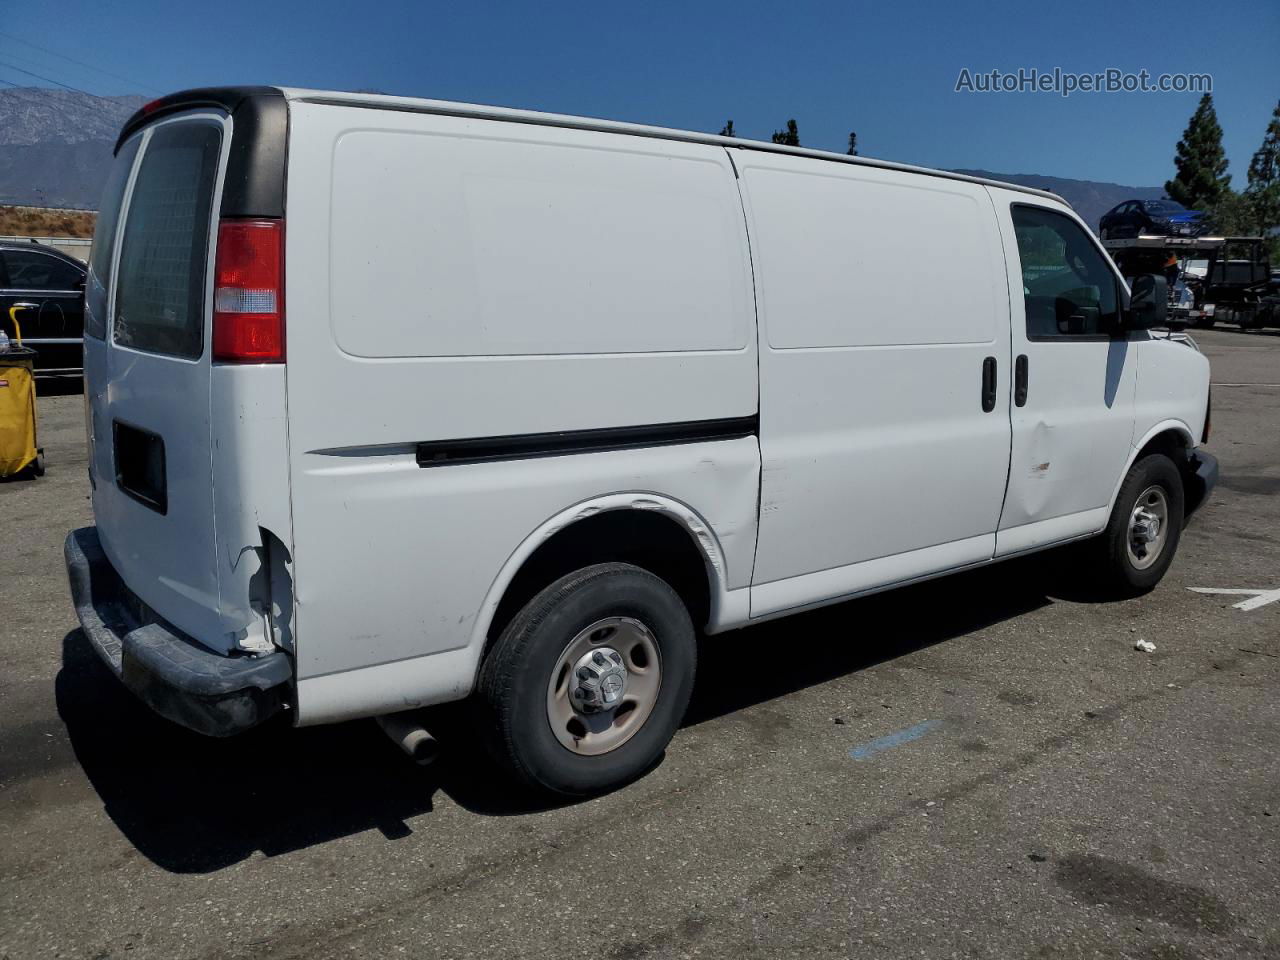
x: 1200, y: 476
x: 212, y: 694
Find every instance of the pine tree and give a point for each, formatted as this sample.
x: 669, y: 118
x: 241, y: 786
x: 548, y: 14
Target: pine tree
x: 1263, y: 192
x: 853, y: 144
x: 1202, y: 181
x: 727, y: 130
x: 789, y: 137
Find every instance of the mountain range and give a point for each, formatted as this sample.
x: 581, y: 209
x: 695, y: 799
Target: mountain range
x: 55, y: 145
x: 55, y: 149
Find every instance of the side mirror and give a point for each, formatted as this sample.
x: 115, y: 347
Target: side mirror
x: 1148, y: 302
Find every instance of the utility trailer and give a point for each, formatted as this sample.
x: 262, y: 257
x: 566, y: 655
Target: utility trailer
x: 1217, y: 278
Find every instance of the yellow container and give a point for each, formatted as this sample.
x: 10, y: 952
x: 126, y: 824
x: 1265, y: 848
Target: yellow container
x: 18, y: 449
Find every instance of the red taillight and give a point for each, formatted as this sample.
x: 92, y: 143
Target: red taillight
x: 248, y: 292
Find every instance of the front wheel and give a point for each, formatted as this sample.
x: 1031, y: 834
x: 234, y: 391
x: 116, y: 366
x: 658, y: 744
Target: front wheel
x: 1145, y: 527
x: 588, y: 683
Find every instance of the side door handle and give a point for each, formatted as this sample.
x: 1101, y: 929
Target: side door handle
x: 988, y: 384
x: 1020, y: 380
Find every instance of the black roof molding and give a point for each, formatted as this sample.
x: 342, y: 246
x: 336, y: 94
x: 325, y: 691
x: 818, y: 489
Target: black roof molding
x: 255, y: 181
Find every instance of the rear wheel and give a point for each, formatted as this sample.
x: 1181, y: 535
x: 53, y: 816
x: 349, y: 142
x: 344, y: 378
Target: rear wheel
x: 588, y: 683
x: 1145, y: 527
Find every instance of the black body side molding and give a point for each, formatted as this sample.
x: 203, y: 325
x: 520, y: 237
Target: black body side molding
x: 436, y: 453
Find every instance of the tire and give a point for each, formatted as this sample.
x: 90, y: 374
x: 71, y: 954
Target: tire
x: 533, y: 732
x: 1130, y: 567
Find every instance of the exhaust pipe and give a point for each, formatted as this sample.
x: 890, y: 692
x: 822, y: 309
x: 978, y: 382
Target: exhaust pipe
x: 410, y: 736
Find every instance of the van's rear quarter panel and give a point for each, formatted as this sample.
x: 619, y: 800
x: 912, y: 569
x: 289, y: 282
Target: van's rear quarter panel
x: 609, y: 280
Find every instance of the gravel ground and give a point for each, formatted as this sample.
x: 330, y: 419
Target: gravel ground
x: 982, y: 766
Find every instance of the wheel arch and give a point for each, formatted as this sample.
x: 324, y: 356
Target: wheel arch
x: 1171, y: 437
x: 673, y: 537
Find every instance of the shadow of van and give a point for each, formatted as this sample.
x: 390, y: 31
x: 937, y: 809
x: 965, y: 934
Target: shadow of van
x: 192, y: 804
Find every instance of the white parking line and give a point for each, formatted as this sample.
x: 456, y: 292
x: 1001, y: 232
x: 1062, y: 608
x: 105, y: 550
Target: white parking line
x: 1258, y: 598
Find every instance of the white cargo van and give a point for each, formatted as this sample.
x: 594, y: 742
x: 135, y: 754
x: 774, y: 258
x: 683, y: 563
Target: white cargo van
x: 393, y: 402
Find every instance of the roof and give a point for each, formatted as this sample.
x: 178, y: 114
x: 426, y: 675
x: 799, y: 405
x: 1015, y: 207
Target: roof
x: 511, y: 115
x: 231, y: 97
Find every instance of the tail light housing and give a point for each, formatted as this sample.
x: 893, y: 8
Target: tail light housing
x: 248, y: 292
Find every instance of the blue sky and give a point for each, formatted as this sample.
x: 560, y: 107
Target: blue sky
x: 886, y: 70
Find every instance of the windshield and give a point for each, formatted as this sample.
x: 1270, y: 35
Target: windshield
x: 1164, y: 206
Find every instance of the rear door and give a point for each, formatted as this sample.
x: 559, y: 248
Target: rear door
x: 148, y: 371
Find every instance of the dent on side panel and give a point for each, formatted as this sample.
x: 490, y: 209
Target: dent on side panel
x: 249, y: 460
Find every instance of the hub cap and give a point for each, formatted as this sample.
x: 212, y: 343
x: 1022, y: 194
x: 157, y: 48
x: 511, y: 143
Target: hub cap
x: 604, y: 686
x: 1148, y: 527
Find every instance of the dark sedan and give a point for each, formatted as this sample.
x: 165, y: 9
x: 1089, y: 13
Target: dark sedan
x: 47, y: 287
x: 1158, y: 218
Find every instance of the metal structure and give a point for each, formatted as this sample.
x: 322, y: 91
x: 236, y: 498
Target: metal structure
x: 1233, y: 286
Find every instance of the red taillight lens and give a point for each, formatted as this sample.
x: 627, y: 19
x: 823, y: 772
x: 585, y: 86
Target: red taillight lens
x: 248, y: 292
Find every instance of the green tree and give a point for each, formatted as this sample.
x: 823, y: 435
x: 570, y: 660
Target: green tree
x: 853, y: 144
x: 1232, y: 215
x: 1202, y: 180
x: 789, y: 137
x: 1263, y: 193
x: 727, y: 130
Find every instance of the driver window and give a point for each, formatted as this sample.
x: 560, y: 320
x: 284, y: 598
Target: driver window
x: 1067, y: 287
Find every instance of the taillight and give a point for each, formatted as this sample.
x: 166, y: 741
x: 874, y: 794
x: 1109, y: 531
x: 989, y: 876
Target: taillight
x: 248, y: 292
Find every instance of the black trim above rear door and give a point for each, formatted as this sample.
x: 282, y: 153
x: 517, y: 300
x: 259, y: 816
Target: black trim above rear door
x: 254, y: 183
x: 439, y: 453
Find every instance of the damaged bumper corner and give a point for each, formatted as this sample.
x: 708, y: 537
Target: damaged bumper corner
x: 182, y: 681
x: 1200, y: 476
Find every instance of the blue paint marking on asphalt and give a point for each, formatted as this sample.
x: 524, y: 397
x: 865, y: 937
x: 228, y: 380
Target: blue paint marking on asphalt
x: 892, y: 740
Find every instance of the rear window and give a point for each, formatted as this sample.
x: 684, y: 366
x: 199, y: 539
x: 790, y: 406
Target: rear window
x: 104, y: 241
x: 160, y: 283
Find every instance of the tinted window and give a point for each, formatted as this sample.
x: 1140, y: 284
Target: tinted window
x: 32, y: 270
x: 161, y: 277
x: 1067, y: 286
x: 1164, y: 207
x: 104, y: 241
